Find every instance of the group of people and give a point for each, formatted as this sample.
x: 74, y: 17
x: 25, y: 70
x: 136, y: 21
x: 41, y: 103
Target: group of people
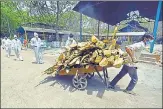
x: 36, y: 44
x: 134, y: 52
x: 16, y: 45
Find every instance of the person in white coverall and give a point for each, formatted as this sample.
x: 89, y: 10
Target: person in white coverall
x: 70, y: 41
x: 36, y: 45
x: 3, y: 42
x: 16, y: 44
x: 6, y: 44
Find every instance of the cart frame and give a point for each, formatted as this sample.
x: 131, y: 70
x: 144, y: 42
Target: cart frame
x: 81, y: 75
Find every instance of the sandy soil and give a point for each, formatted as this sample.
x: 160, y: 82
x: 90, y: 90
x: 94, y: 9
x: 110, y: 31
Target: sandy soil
x: 21, y: 88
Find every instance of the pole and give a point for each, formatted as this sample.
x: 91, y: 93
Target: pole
x: 26, y: 35
x: 80, y: 27
x: 26, y: 38
x: 44, y: 35
x: 108, y: 32
x: 57, y: 35
x: 156, y: 25
x: 98, y: 28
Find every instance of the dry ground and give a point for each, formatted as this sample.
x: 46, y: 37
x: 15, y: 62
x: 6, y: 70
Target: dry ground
x: 20, y: 87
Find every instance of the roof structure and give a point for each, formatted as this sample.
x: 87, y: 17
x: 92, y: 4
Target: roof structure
x: 133, y: 26
x: 43, y: 25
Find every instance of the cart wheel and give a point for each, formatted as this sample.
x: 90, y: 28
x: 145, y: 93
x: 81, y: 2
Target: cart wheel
x: 79, y: 82
x: 89, y: 75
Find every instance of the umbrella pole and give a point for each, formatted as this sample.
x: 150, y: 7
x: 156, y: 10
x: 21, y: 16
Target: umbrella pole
x: 156, y: 25
x: 80, y: 27
x: 108, y: 32
x: 98, y: 28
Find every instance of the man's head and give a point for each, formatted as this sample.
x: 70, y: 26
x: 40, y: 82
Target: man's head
x: 147, y: 37
x: 5, y: 37
x: 102, y: 38
x: 15, y: 37
x: 35, y: 35
x: 118, y: 43
x: 71, y: 37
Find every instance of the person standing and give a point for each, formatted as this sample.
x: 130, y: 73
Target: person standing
x: 3, y: 42
x: 36, y: 45
x: 134, y: 52
x: 25, y: 44
x: 70, y: 40
x: 16, y: 44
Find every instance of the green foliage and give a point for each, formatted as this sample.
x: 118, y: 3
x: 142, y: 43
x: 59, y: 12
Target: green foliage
x: 10, y: 17
x: 13, y: 15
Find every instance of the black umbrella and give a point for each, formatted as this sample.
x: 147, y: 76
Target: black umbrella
x: 113, y: 12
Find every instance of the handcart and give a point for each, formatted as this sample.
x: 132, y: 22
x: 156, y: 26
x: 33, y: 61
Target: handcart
x: 81, y: 74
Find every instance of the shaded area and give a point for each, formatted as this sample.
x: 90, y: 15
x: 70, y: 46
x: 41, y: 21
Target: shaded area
x: 94, y: 84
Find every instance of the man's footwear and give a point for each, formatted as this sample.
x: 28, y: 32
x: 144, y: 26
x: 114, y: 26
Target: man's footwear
x: 41, y: 62
x: 20, y: 58
x: 110, y: 87
x: 129, y: 92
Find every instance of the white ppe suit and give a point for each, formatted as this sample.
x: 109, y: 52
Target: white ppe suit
x: 36, y: 45
x: 7, y: 45
x: 70, y: 41
x: 16, y: 44
x: 3, y: 43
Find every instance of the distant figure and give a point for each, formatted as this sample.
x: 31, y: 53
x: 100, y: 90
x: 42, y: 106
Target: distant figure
x: 70, y: 40
x: 16, y: 44
x: 25, y: 44
x: 21, y: 38
x: 3, y: 43
x: 36, y: 45
x: 6, y: 44
x: 102, y: 38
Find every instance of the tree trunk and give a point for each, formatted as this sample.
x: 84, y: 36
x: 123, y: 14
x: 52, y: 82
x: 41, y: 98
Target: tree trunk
x: 9, y: 27
x: 57, y: 35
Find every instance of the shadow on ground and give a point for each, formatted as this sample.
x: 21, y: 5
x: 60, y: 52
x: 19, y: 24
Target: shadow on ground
x: 94, y: 84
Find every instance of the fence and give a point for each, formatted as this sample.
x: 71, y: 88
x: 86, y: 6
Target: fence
x: 49, y: 45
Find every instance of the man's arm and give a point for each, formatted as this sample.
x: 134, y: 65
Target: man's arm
x: 67, y: 43
x: 20, y: 44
